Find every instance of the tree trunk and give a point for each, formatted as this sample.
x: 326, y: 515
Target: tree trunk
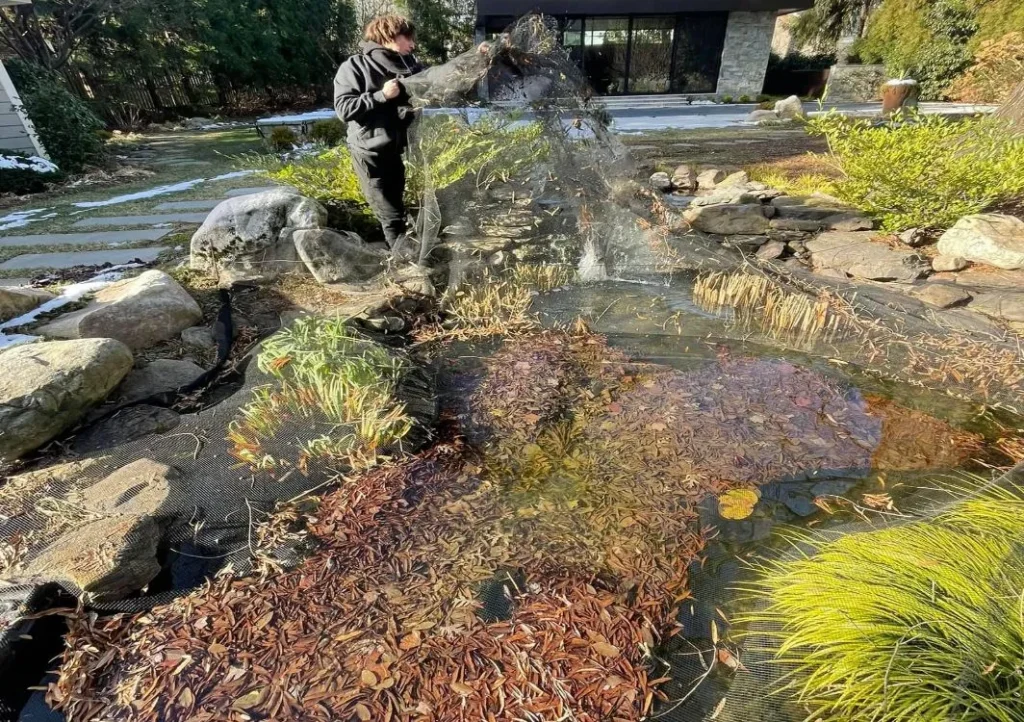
x: 1013, y: 109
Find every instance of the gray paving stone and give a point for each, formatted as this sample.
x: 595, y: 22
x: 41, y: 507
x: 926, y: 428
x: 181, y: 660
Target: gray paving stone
x: 188, y: 205
x: 112, y: 221
x: 81, y: 239
x: 250, y: 191
x: 14, y: 282
x: 82, y: 258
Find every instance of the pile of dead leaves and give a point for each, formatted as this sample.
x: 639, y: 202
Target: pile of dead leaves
x: 530, y: 578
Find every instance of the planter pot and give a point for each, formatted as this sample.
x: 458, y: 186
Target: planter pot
x: 900, y: 95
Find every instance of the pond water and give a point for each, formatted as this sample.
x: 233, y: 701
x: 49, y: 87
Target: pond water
x: 599, y: 474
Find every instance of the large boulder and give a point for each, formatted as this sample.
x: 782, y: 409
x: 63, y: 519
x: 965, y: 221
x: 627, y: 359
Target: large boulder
x: 709, y: 179
x: 45, y: 388
x: 139, y: 312
x: 250, y: 237
x: 858, y: 254
x: 17, y: 301
x: 338, y: 257
x: 728, y: 220
x: 990, y: 238
x: 791, y: 108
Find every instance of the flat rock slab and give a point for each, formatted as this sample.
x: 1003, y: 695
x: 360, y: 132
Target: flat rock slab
x: 1004, y: 306
x: 251, y: 191
x: 16, y: 301
x: 861, y: 256
x: 82, y: 239
x: 82, y: 258
x: 941, y: 295
x: 987, y: 277
x: 187, y: 206
x: 14, y: 282
x: 111, y: 221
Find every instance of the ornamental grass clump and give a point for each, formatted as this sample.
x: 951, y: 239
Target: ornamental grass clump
x: 923, y: 171
x: 916, y: 623
x: 335, y: 388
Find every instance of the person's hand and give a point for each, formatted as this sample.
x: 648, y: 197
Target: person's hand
x: 484, y: 48
x: 391, y: 89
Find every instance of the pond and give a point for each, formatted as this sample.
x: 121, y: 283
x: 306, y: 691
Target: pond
x: 569, y: 542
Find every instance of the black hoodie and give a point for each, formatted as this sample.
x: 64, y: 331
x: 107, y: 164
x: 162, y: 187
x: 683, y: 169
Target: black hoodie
x: 375, y: 123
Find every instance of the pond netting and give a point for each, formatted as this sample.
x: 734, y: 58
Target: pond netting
x: 616, y: 473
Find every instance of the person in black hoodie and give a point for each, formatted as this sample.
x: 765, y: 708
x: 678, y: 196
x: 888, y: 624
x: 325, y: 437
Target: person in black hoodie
x: 372, y: 95
x: 370, y: 98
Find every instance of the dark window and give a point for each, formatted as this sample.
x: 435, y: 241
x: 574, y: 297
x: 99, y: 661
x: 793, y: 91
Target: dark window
x: 700, y: 39
x: 650, y: 55
x: 605, y: 49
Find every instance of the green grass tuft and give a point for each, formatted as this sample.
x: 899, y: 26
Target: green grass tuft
x: 916, y: 623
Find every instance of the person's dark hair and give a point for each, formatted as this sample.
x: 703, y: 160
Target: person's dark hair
x: 383, y: 29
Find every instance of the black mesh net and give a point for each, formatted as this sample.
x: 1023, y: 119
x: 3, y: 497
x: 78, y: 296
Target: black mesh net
x: 618, y: 472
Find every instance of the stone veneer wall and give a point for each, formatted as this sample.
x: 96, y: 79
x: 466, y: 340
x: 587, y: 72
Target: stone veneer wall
x: 748, y: 43
x: 856, y: 83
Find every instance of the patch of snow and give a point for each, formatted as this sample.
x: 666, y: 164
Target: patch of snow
x: 34, y: 163
x: 17, y: 219
x: 162, y: 190
x: 325, y: 114
x: 901, y: 81
x: 704, y: 101
x: 15, y: 339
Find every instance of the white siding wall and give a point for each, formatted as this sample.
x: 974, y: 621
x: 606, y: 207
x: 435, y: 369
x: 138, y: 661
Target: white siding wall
x: 16, y: 132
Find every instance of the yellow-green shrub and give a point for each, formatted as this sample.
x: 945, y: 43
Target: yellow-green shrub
x: 922, y: 171
x: 917, y: 623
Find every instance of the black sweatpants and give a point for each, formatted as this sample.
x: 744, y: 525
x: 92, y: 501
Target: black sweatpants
x: 382, y: 180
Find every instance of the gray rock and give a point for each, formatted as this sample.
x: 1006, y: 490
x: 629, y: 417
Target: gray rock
x: 747, y: 244
x: 139, y: 312
x: 139, y: 488
x: 849, y: 222
x: 1003, y: 306
x: 798, y: 224
x: 708, y: 180
x: 128, y: 424
x: 250, y: 237
x: 45, y: 388
x: 157, y: 377
x: 792, y: 108
x: 771, y: 250
x: 759, y: 115
x: 728, y: 220
x: 739, y: 178
x: 338, y: 257
x: 200, y: 337
x: 684, y: 178
x: 941, y: 295
x: 661, y: 182
x: 106, y: 560
x: 913, y: 237
x: 948, y: 264
x: 726, y: 196
x: 784, y: 201
x: 990, y: 238
x: 17, y: 301
x: 861, y: 256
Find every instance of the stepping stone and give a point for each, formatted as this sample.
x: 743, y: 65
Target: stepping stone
x: 81, y: 239
x: 180, y: 163
x: 82, y: 258
x: 250, y: 191
x: 105, y: 221
x: 188, y: 206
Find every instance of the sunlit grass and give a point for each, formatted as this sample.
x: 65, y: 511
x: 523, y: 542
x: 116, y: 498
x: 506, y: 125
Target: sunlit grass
x: 333, y: 387
x: 915, y: 623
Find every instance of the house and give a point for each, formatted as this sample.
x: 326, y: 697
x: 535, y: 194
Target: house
x: 16, y: 131
x: 634, y: 47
